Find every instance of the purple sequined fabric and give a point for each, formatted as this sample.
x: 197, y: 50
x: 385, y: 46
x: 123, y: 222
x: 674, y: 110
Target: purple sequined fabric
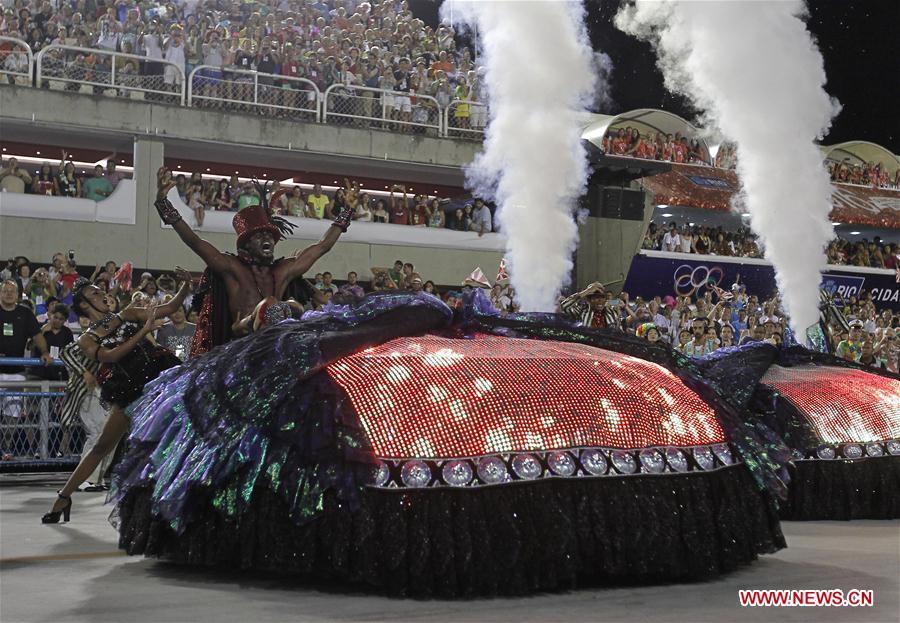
x: 374, y: 305
x: 254, y: 412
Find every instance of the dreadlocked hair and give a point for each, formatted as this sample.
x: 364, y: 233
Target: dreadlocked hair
x: 284, y: 226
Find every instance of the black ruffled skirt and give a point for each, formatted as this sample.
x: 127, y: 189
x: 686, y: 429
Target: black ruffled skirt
x: 123, y: 382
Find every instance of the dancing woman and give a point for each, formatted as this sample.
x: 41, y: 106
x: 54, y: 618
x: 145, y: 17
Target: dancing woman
x: 128, y: 361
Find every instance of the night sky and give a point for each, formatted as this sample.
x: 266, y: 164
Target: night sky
x: 858, y: 39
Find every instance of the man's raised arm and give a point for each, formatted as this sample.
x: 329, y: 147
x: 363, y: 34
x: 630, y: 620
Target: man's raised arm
x: 305, y: 258
x: 214, y: 258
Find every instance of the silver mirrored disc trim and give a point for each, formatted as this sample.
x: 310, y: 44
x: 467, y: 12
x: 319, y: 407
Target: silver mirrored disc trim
x: 704, y: 457
x: 874, y: 449
x: 382, y: 474
x: 513, y: 467
x: 677, y: 459
x: 852, y: 451
x: 457, y: 473
x: 527, y: 466
x: 652, y: 461
x: 492, y: 470
x: 561, y: 463
x: 415, y: 473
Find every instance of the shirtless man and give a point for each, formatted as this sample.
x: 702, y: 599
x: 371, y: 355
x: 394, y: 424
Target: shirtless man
x: 253, y: 279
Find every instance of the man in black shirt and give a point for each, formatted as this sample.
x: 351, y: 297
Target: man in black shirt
x: 266, y: 61
x: 41, y: 19
x: 402, y: 103
x: 17, y: 326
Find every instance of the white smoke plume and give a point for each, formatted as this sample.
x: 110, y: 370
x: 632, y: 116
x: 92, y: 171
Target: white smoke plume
x: 755, y: 72
x: 603, y: 70
x: 538, y: 70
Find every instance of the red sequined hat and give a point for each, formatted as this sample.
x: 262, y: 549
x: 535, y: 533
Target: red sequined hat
x: 251, y: 220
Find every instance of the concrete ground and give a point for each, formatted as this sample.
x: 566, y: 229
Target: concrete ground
x: 73, y: 572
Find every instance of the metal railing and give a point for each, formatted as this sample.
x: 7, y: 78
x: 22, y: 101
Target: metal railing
x: 32, y: 436
x: 113, y: 74
x: 244, y: 90
x: 17, y: 63
x: 465, y: 119
x: 95, y: 71
x: 379, y: 108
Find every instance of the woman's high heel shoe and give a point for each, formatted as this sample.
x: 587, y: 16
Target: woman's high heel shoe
x: 65, y: 511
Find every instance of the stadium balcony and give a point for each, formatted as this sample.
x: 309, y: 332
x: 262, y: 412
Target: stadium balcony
x: 866, y: 176
x: 860, y: 153
x: 650, y: 124
x: 248, y: 125
x: 245, y: 108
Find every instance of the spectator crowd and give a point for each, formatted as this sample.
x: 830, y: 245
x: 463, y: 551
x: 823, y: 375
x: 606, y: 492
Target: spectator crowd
x: 699, y: 325
x: 688, y: 238
x: 63, y: 181
x: 628, y: 141
x: 374, y: 44
x: 38, y: 320
x: 873, y: 174
x: 398, y: 208
x: 728, y: 318
x: 44, y: 289
x: 232, y: 195
x: 35, y: 309
x: 676, y: 148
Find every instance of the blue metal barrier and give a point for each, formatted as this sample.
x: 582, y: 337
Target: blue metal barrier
x: 32, y: 394
x: 27, y: 361
x: 32, y: 438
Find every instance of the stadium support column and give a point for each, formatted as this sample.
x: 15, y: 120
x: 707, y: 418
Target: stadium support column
x: 611, y: 233
x: 148, y: 157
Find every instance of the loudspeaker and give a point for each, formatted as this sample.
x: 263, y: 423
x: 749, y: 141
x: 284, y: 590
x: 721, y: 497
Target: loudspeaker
x: 613, y: 202
x: 621, y: 203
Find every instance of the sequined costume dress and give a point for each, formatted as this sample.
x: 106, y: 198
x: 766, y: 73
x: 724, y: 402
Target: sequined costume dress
x: 839, y: 420
x: 413, y: 450
x: 122, y: 382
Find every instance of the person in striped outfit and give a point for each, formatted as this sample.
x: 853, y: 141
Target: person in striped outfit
x: 590, y: 308
x: 82, y: 400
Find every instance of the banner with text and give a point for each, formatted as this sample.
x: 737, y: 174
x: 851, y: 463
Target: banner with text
x: 654, y: 273
x: 713, y: 189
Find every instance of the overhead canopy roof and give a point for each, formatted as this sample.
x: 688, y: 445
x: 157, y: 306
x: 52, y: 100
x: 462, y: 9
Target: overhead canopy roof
x: 861, y: 153
x: 647, y: 121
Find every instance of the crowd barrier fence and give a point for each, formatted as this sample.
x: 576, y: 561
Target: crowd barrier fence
x: 95, y: 71
x: 32, y: 438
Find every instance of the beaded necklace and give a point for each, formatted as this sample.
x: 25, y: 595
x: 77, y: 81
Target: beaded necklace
x: 103, y: 322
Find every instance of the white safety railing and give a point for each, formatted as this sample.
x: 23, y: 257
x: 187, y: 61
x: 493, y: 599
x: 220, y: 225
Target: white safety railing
x: 113, y: 74
x: 96, y: 71
x: 244, y: 90
x: 465, y: 119
x: 16, y: 62
x: 379, y: 108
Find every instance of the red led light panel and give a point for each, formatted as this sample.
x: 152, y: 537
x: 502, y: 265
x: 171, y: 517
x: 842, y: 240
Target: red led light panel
x: 842, y: 404
x: 433, y: 397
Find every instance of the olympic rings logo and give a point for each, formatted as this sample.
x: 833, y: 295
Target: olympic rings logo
x: 689, y: 279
